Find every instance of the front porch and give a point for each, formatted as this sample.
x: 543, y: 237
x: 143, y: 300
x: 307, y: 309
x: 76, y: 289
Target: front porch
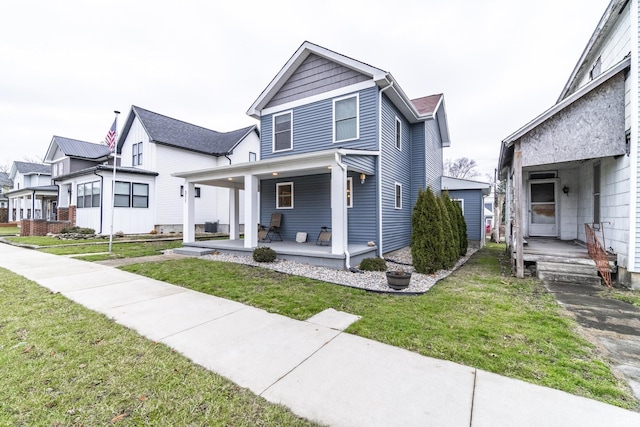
x: 558, y: 260
x: 308, y: 253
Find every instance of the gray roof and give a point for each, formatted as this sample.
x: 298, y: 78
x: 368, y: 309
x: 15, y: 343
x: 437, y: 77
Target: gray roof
x: 5, y: 181
x: 26, y: 168
x: 176, y: 133
x: 81, y: 149
x: 108, y: 168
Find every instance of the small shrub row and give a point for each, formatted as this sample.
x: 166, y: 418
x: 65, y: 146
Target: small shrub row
x: 373, y: 264
x: 77, y: 230
x: 264, y: 254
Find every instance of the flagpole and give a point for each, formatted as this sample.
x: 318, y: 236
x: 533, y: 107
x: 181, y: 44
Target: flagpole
x: 113, y: 179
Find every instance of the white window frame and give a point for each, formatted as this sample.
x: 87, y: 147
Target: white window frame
x: 252, y: 156
x: 282, y: 184
x: 273, y: 131
x: 342, y: 98
x: 398, y: 134
x: 349, y: 191
x: 397, y: 186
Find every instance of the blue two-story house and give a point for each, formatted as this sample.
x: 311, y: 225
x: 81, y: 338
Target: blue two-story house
x: 341, y: 146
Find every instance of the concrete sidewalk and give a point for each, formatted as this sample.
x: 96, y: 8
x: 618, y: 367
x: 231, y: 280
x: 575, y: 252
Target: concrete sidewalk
x: 312, y: 367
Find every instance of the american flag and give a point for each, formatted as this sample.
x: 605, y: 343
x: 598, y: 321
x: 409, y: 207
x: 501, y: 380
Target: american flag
x: 111, y: 136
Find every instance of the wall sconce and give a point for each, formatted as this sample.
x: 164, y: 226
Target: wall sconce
x: 362, y: 178
x: 565, y: 190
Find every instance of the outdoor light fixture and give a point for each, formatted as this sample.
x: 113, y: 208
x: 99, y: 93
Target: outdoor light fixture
x: 565, y: 190
x: 362, y: 177
x: 274, y: 173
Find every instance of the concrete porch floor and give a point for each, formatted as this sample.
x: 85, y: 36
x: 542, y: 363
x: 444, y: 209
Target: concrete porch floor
x: 308, y: 252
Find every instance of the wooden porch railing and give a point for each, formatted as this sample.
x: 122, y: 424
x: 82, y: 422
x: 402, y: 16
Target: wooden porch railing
x: 598, y: 254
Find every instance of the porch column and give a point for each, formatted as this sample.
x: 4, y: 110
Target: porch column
x: 338, y: 209
x: 10, y: 217
x: 250, y: 211
x: 188, y: 213
x: 25, y: 208
x: 234, y: 214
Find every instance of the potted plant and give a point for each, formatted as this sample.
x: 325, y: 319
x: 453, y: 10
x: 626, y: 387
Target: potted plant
x: 398, y: 279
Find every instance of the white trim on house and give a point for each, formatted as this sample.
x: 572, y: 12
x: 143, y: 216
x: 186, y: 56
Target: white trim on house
x: 343, y: 98
x: 349, y: 192
x: 397, y: 186
x: 273, y: 131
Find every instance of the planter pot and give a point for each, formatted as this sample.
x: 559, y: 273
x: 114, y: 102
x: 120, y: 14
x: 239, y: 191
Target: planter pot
x: 398, y: 280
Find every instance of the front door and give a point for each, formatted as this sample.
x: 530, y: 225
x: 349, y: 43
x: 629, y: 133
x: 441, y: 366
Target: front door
x: 542, y: 208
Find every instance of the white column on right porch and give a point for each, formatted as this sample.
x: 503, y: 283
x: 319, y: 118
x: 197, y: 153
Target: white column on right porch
x: 338, y: 209
x: 250, y: 211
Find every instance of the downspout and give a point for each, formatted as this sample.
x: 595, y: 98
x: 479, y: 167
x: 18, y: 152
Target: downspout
x: 380, y: 252
x: 345, y: 228
x: 227, y: 156
x: 101, y: 198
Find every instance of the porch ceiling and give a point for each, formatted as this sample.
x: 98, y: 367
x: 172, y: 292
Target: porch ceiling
x: 232, y: 176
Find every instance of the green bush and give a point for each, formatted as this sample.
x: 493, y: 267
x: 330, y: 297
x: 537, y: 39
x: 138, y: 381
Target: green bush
x: 77, y: 230
x: 373, y: 264
x: 427, y: 235
x: 264, y: 254
x: 462, y: 229
x: 450, y: 245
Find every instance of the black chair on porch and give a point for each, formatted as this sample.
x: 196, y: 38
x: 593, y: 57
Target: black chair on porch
x: 267, y: 234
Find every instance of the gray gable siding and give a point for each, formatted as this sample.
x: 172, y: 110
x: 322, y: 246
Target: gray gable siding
x: 396, y: 167
x: 314, y: 76
x: 434, y: 162
x: 473, y: 210
x: 313, y: 127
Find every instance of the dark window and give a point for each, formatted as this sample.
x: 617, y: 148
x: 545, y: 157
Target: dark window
x: 282, y: 134
x: 122, y: 195
x: 284, y: 193
x: 88, y: 195
x: 136, y: 154
x: 398, y: 134
x: 140, y: 198
x: 596, y: 193
x: 345, y: 115
x: 398, y: 196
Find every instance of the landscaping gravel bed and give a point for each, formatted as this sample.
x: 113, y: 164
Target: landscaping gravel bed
x: 375, y: 281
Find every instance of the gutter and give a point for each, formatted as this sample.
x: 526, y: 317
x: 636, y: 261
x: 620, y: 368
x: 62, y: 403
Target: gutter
x: 380, y: 167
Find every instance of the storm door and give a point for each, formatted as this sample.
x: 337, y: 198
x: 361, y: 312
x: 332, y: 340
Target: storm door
x: 542, y: 208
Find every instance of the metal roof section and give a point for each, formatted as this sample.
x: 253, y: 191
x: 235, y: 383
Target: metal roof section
x: 451, y: 183
x: 179, y: 134
x: 76, y: 149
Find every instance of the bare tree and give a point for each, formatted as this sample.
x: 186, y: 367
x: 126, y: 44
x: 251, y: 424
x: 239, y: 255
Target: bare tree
x: 463, y: 168
x: 4, y: 167
x: 32, y: 159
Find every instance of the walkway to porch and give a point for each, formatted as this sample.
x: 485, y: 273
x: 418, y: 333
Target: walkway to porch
x: 308, y: 253
x: 553, y: 249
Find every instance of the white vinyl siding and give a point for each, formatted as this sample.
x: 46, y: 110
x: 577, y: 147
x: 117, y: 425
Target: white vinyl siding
x: 346, y: 120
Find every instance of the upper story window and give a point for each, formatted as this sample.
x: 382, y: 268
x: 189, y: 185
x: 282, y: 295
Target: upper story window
x: 283, y: 131
x: 136, y: 154
x: 284, y: 195
x: 345, y: 118
x: 252, y: 156
x: 398, y: 134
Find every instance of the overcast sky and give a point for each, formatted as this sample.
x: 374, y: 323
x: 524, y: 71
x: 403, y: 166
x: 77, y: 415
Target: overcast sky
x: 65, y: 66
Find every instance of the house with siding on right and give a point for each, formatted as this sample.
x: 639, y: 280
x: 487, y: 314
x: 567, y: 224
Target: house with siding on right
x: 572, y: 171
x: 341, y: 146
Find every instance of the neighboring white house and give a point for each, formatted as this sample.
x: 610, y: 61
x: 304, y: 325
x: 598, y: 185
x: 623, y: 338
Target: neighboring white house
x: 147, y: 198
x: 577, y: 163
x: 153, y: 142
x: 32, y: 195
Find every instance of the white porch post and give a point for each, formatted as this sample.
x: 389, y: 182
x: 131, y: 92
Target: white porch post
x: 10, y: 217
x: 338, y: 210
x: 188, y: 213
x: 234, y: 214
x: 25, y: 206
x: 250, y: 211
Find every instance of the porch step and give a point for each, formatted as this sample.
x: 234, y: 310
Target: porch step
x: 569, y: 273
x: 189, y: 251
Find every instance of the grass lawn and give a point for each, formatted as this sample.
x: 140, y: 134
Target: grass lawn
x: 477, y: 316
x: 9, y: 231
x: 62, y: 364
x: 119, y: 250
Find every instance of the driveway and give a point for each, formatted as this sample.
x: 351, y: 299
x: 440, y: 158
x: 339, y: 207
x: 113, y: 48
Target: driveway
x: 612, y: 325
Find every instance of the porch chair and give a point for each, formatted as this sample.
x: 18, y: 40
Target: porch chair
x: 267, y: 234
x: 324, y: 238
